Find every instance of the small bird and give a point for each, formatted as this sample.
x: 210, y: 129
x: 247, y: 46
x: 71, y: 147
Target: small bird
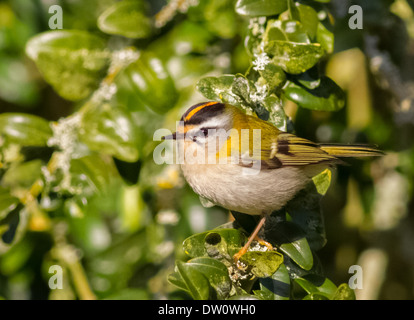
x: 245, y: 164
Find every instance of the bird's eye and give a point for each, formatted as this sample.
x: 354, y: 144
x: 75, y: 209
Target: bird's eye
x: 204, y: 131
x: 200, y: 134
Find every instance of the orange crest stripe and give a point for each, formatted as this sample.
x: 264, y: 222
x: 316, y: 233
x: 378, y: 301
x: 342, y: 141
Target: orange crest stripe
x: 193, y: 112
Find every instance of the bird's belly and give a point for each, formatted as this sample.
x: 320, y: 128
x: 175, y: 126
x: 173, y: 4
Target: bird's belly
x: 245, y: 190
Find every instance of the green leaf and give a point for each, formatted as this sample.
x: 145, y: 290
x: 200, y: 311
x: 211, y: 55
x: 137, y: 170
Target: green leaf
x: 322, y: 181
x: 25, y: 129
x: 217, y: 88
x: 91, y: 174
x: 176, y: 279
x: 316, y: 284
x: 129, y: 294
x: 300, y: 252
x: 293, y: 10
x: 276, y: 287
x: 290, y: 239
x: 9, y: 225
x: 294, y: 57
x: 197, y: 284
x: 325, y: 37
x: 328, y: 96
x: 218, y: 241
x: 277, y: 115
x: 344, y: 292
x: 152, y: 83
x: 274, y: 76
x: 262, y: 264
x: 15, y: 259
x: 22, y: 175
x: 243, y: 88
x: 305, y: 211
x: 309, y: 79
x: 244, y: 297
x: 315, y: 296
x: 7, y: 202
x: 110, y: 130
x: 289, y: 30
x: 216, y: 273
x: 126, y: 18
x: 72, y: 61
x: 260, y: 7
x: 309, y: 19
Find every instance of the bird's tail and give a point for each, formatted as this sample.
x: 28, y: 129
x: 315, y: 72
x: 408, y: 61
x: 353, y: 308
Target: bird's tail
x: 351, y: 150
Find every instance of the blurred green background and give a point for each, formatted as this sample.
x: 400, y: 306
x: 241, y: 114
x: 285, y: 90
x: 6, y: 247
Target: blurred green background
x: 119, y: 238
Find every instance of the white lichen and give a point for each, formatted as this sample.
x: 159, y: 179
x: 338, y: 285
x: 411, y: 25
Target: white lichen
x: 256, y: 25
x: 261, y: 61
x: 65, y: 138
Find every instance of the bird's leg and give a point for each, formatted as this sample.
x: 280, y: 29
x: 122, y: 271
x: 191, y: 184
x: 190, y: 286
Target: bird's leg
x: 243, y: 250
x: 268, y: 245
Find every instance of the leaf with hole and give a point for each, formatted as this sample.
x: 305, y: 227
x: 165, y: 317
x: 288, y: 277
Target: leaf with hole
x: 219, y: 241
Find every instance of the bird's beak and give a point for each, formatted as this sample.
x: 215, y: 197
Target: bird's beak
x: 170, y: 137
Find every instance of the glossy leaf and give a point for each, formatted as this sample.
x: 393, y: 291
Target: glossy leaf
x: 25, y: 129
x: 197, y: 284
x: 309, y: 79
x: 287, y: 30
x: 216, y: 273
x: 309, y: 19
x: 260, y: 7
x: 325, y: 37
x: 328, y: 96
x: 262, y: 264
x: 300, y: 252
x: 91, y: 174
x: 315, y: 296
x: 344, y: 292
x: 276, y: 287
x: 316, y: 284
x: 126, y: 18
x: 290, y: 239
x: 110, y: 129
x: 294, y: 57
x: 305, y: 211
x: 152, y: 83
x: 293, y: 11
x: 72, y: 61
x: 322, y: 181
